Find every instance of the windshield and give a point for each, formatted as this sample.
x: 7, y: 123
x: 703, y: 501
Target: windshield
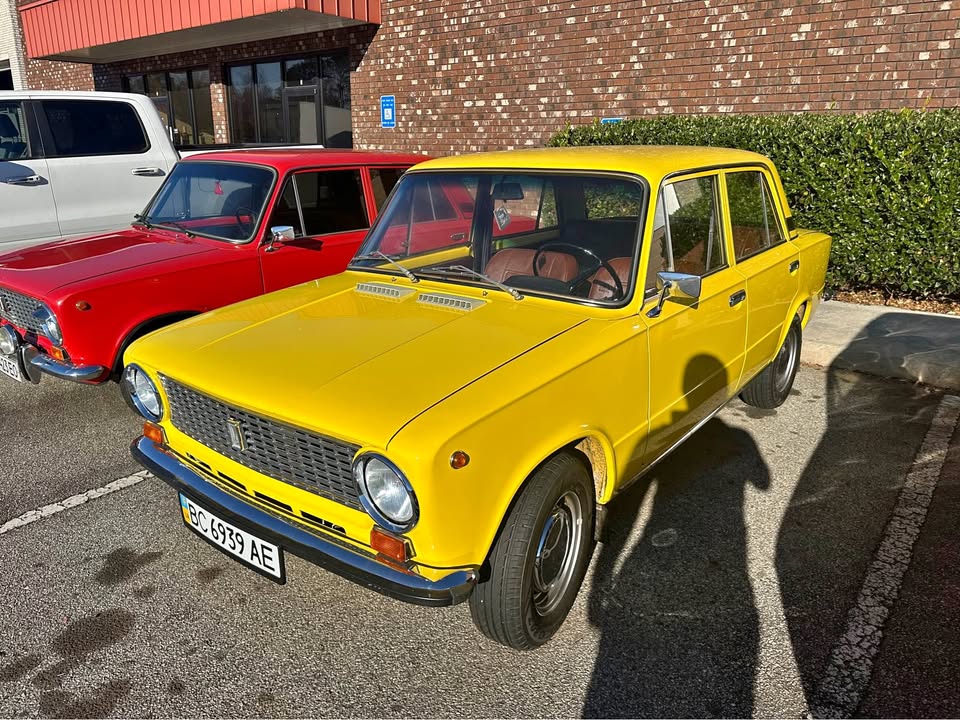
x: 218, y: 200
x: 556, y: 234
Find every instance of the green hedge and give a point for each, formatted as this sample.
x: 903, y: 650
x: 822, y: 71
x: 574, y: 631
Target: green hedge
x: 885, y: 185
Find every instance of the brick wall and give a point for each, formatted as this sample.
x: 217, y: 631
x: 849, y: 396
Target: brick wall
x: 486, y: 74
x: 52, y: 75
x: 354, y: 39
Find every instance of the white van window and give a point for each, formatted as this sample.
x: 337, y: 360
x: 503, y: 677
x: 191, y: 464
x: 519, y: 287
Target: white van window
x: 93, y: 127
x: 13, y: 132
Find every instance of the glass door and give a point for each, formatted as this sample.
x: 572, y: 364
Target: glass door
x: 301, y: 116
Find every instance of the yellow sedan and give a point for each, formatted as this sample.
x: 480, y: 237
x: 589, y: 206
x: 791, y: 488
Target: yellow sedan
x: 521, y: 336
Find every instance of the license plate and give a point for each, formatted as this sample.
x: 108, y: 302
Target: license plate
x: 266, y: 558
x: 10, y: 367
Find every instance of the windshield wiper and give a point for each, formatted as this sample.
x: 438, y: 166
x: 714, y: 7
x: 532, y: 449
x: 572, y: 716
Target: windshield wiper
x: 464, y: 270
x: 378, y: 255
x: 176, y: 226
x: 142, y: 219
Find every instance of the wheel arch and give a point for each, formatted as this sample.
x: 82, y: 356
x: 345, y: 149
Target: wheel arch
x: 144, y: 327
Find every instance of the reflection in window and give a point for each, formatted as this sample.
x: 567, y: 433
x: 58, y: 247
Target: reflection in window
x: 686, y: 230
x: 243, y: 123
x: 752, y: 218
x: 269, y: 103
x: 383, y: 180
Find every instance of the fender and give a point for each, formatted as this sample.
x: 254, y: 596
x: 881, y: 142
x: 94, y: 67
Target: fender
x: 147, y: 326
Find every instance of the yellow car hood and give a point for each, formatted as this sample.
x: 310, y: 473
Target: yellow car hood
x: 347, y: 363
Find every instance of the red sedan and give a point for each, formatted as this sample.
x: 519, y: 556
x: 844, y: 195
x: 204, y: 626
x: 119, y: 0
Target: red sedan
x: 224, y: 227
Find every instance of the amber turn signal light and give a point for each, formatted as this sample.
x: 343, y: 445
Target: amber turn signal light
x: 459, y: 459
x: 56, y: 353
x: 388, y: 545
x: 153, y: 432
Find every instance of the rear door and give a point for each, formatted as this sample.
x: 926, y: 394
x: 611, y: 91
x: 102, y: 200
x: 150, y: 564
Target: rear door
x: 327, y: 210
x: 27, y: 208
x: 764, y: 256
x: 102, y: 164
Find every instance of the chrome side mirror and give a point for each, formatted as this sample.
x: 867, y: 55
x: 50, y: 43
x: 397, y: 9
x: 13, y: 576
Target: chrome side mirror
x: 279, y: 234
x: 676, y: 286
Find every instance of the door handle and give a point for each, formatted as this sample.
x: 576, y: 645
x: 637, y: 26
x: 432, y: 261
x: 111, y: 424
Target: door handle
x: 147, y: 172
x: 794, y: 266
x: 458, y: 236
x: 24, y: 180
x: 738, y: 297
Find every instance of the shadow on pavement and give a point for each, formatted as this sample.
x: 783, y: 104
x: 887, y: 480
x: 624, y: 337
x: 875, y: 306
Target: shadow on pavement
x: 676, y: 612
x: 908, y: 345
x: 843, y: 500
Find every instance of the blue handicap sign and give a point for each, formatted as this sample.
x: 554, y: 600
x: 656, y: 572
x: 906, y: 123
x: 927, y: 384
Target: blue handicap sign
x: 610, y: 121
x: 388, y: 111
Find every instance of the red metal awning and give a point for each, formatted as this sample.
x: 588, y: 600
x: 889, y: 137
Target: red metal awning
x: 110, y: 30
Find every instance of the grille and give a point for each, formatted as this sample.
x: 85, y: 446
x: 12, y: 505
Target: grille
x: 18, y: 309
x: 313, y: 462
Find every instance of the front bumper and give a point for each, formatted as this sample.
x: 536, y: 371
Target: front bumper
x: 343, y: 560
x: 90, y: 374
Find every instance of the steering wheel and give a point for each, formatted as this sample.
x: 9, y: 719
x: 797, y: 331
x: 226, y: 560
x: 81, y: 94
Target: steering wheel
x: 582, y: 276
x: 246, y: 219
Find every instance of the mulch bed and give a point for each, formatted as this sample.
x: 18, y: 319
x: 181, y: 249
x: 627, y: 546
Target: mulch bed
x: 873, y: 297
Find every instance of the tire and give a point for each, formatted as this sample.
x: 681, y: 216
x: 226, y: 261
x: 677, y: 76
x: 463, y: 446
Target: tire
x: 524, y: 601
x: 772, y: 386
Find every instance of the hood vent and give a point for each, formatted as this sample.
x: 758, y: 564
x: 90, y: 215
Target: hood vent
x: 383, y: 290
x: 451, y: 302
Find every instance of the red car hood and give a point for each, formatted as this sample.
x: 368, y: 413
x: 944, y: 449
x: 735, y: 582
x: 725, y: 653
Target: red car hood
x: 39, y: 270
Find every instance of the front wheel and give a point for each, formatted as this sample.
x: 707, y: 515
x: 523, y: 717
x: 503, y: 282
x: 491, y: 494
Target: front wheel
x: 771, y: 387
x: 539, y: 558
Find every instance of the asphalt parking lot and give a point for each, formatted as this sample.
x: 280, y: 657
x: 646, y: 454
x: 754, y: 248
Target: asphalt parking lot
x: 773, y: 566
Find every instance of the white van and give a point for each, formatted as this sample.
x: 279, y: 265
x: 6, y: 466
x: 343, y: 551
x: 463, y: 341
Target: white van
x: 77, y: 162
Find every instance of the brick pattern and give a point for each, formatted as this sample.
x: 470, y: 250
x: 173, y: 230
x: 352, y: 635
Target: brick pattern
x: 491, y: 74
x: 354, y: 39
x: 53, y: 75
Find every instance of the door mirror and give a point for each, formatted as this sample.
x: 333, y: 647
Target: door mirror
x: 279, y: 234
x: 675, y: 286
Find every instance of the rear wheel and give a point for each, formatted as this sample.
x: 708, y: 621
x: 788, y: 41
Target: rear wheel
x: 540, y: 557
x: 772, y: 386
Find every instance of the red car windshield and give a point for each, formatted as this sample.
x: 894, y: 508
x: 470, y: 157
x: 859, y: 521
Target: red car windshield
x: 216, y: 199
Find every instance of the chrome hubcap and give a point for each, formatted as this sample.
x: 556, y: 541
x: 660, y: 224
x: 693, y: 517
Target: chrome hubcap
x: 557, y: 551
x: 785, y: 362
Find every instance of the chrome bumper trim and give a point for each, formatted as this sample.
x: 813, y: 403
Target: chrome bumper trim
x: 65, y: 371
x: 350, y: 564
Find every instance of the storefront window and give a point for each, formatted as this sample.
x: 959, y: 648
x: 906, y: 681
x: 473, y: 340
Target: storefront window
x: 302, y: 99
x: 183, y: 101
x: 269, y: 102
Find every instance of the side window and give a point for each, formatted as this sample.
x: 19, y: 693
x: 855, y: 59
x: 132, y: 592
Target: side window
x: 13, y: 132
x: 285, y: 211
x: 611, y: 199
x: 753, y: 219
x: 686, y: 234
x: 331, y: 201
x: 93, y: 127
x: 547, y: 218
x: 383, y: 180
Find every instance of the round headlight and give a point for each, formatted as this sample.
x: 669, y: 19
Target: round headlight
x: 8, y: 340
x: 386, y: 494
x: 142, y: 393
x: 48, y: 324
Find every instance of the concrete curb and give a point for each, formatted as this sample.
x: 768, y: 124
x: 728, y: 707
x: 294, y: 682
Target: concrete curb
x: 888, y: 342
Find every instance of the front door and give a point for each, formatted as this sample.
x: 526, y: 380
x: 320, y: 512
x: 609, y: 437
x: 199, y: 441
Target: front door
x: 301, y: 115
x: 327, y: 210
x: 696, y: 347
x: 26, y: 195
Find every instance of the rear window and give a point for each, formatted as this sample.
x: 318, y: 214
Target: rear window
x: 93, y: 127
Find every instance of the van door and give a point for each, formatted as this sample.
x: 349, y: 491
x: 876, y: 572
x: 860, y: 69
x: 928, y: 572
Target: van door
x: 26, y: 195
x: 103, y: 167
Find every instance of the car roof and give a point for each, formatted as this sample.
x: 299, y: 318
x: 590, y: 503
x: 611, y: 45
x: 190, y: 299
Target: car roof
x: 651, y: 161
x: 285, y: 159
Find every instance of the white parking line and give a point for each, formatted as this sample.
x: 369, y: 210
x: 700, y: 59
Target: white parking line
x: 851, y: 662
x: 73, y: 501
